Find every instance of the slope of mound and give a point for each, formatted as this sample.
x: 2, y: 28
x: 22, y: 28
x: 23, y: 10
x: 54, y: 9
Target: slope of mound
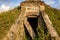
x: 6, y: 20
x: 54, y: 16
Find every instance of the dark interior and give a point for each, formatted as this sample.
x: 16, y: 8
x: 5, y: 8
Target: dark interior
x: 34, y: 23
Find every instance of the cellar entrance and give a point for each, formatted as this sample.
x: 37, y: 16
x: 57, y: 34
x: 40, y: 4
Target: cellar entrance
x: 34, y: 23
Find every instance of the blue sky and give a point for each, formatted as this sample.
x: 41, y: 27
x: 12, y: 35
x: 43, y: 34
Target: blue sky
x: 53, y: 3
x: 10, y: 4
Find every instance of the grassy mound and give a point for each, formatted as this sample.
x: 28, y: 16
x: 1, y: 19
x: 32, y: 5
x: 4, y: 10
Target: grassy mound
x: 8, y: 18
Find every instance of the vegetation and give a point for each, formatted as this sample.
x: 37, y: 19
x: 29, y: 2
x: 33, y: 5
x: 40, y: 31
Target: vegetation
x: 8, y: 18
x: 54, y: 16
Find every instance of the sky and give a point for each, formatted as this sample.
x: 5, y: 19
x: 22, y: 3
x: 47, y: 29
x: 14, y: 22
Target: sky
x: 6, y: 5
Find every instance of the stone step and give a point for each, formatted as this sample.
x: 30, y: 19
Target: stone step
x: 29, y: 28
x: 49, y: 26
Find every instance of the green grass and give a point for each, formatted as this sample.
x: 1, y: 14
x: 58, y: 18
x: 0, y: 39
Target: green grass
x: 54, y: 16
x: 6, y: 20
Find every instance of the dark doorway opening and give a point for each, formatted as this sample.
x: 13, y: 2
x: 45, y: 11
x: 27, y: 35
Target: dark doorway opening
x: 34, y: 23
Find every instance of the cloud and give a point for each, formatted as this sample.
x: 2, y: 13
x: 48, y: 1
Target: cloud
x: 4, y: 8
x: 59, y: 0
x: 6, y: 5
x: 50, y: 2
x: 57, y: 4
